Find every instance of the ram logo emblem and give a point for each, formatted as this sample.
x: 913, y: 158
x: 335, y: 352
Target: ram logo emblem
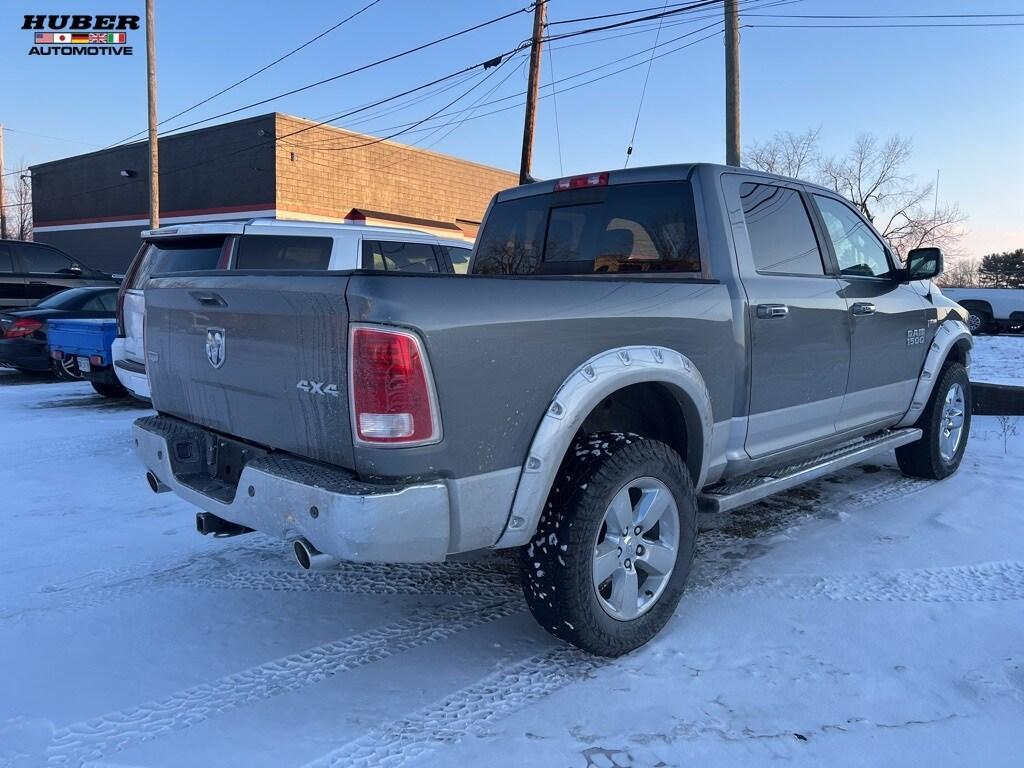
x: 916, y: 336
x: 318, y: 388
x: 215, y: 346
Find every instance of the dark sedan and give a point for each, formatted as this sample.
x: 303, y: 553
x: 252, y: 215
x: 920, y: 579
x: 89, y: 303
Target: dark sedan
x: 23, y: 340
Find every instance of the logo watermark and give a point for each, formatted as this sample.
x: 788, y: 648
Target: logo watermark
x: 79, y: 35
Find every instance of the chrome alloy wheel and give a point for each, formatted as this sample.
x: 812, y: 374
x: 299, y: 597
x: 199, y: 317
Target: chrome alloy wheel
x: 951, y: 425
x: 636, y: 548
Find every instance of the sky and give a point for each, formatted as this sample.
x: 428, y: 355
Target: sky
x: 955, y: 92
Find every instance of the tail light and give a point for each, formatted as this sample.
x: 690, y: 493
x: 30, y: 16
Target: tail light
x: 22, y: 327
x: 393, y: 398
x: 126, y: 283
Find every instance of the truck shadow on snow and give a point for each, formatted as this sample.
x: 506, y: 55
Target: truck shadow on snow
x: 93, y: 402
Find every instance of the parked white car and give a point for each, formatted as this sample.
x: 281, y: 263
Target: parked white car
x: 268, y: 245
x: 990, y: 310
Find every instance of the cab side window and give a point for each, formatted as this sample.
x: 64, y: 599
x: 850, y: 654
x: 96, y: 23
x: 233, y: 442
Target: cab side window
x: 6, y: 262
x: 45, y: 261
x: 858, y: 251
x: 399, y: 257
x: 460, y: 258
x: 781, y: 237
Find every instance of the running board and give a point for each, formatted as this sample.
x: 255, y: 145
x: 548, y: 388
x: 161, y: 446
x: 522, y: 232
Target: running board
x: 750, y: 488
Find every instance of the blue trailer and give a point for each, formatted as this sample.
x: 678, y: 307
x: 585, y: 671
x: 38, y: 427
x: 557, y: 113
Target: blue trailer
x: 87, y: 342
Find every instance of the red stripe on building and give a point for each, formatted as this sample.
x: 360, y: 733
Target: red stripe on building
x: 163, y: 214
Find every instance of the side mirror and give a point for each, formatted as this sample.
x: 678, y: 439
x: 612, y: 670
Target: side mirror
x: 923, y: 264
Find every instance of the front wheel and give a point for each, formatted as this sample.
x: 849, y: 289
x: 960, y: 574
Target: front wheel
x: 945, y: 424
x: 978, y: 321
x: 614, y: 545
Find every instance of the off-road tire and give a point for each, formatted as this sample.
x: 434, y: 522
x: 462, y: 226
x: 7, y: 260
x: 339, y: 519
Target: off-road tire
x: 114, y: 390
x: 556, y: 567
x: 923, y: 458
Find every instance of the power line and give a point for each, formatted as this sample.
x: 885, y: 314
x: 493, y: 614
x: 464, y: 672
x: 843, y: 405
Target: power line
x: 584, y: 72
x: 259, y: 71
x: 54, y: 138
x: 680, y: 6
x: 554, y: 102
x: 889, y: 15
x: 353, y: 71
x: 643, y: 92
x: 884, y: 26
x: 627, y: 22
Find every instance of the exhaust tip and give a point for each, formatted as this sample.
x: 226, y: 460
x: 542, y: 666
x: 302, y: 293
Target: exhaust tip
x: 302, y: 555
x: 155, y: 485
x: 310, y: 558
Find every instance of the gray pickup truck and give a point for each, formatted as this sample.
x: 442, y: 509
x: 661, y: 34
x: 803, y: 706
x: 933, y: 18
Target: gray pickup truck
x: 628, y: 348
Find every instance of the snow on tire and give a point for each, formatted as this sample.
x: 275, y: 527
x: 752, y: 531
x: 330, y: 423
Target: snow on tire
x: 614, y: 544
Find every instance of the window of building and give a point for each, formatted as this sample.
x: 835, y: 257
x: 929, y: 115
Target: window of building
x: 781, y: 237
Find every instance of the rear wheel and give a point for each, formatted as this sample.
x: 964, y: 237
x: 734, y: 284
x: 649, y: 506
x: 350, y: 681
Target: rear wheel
x: 66, y: 369
x: 945, y: 424
x: 114, y: 389
x: 614, y: 546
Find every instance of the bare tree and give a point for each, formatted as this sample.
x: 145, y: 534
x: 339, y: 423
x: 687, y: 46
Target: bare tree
x: 960, y: 272
x: 786, y: 153
x: 873, y: 176
x: 19, y: 202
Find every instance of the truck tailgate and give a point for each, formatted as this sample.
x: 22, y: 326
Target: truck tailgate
x: 261, y: 357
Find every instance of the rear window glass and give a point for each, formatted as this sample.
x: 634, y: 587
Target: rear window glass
x: 185, y: 254
x: 629, y: 228
x: 6, y: 264
x: 276, y: 252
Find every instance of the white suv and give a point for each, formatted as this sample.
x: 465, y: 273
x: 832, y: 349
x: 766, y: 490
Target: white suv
x: 269, y: 245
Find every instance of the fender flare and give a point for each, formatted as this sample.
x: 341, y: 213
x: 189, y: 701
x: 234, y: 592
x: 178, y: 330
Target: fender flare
x: 578, y: 395
x: 949, y: 333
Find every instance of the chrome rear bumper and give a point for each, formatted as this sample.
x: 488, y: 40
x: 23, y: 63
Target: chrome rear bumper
x: 291, y: 498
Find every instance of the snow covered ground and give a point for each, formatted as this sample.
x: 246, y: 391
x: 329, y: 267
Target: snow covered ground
x: 866, y: 619
x: 998, y: 359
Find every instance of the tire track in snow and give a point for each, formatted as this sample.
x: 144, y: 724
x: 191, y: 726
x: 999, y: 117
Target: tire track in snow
x: 231, y: 569
x: 101, y: 736
x: 980, y: 583
x: 466, y: 712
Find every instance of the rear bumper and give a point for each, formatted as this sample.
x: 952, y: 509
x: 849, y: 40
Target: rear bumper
x: 291, y: 498
x: 29, y: 354
x: 132, y: 375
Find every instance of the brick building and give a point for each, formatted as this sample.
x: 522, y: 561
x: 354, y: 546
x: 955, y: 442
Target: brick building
x: 93, y: 206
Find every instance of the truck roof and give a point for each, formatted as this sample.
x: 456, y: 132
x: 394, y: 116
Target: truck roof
x: 671, y: 172
x: 328, y: 228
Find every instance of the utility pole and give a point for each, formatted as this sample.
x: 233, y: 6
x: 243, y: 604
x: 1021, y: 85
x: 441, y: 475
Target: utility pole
x: 732, y: 82
x: 539, y: 13
x: 3, y: 184
x: 154, y: 149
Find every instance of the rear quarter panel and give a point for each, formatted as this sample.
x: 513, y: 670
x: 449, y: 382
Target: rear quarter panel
x: 500, y: 347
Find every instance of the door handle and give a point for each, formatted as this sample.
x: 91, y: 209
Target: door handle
x: 862, y: 308
x: 769, y: 311
x: 209, y: 299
